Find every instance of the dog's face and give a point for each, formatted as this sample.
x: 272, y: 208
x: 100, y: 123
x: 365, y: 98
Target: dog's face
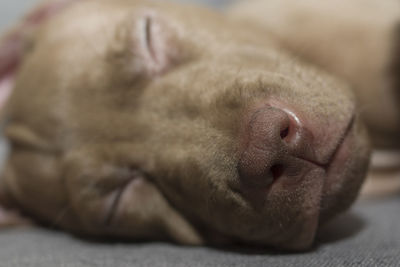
x: 141, y: 120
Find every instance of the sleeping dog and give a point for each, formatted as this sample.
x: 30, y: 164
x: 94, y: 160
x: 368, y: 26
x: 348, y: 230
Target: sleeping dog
x: 150, y: 120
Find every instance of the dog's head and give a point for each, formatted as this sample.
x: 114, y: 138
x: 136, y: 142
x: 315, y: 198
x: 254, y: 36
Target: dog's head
x: 135, y: 119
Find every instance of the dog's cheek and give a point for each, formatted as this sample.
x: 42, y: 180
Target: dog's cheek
x: 154, y: 214
x: 110, y: 196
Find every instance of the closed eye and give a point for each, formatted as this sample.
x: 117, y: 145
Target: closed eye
x: 147, y: 39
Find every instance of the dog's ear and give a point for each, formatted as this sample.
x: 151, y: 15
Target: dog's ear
x: 109, y: 195
x: 16, y: 41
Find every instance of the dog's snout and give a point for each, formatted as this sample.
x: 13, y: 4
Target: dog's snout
x: 272, y: 142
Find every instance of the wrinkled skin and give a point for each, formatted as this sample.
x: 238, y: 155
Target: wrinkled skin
x: 139, y: 120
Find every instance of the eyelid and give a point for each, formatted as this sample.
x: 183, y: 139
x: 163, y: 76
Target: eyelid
x: 155, y: 43
x: 145, y: 43
x: 147, y: 40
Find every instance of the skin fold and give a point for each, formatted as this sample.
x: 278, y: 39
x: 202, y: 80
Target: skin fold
x: 158, y: 121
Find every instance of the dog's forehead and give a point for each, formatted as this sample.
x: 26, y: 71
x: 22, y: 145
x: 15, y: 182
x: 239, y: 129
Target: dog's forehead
x: 81, y: 23
x: 94, y: 28
x: 79, y: 39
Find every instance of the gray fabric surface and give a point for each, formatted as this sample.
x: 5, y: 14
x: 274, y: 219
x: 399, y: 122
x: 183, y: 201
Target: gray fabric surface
x: 369, y: 235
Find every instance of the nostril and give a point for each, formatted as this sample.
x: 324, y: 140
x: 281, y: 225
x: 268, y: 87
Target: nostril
x: 277, y: 171
x: 285, y: 132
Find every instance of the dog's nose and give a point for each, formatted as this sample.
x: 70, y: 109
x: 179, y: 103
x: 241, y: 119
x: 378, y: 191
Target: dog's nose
x: 273, y: 141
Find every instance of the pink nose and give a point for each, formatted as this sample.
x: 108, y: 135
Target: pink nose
x: 273, y: 142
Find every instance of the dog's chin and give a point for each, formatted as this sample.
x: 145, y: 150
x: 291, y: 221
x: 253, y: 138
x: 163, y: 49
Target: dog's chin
x: 346, y: 173
x: 287, y: 213
x: 338, y: 178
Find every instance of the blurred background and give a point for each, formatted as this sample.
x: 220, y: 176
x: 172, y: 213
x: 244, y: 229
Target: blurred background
x: 11, y: 10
